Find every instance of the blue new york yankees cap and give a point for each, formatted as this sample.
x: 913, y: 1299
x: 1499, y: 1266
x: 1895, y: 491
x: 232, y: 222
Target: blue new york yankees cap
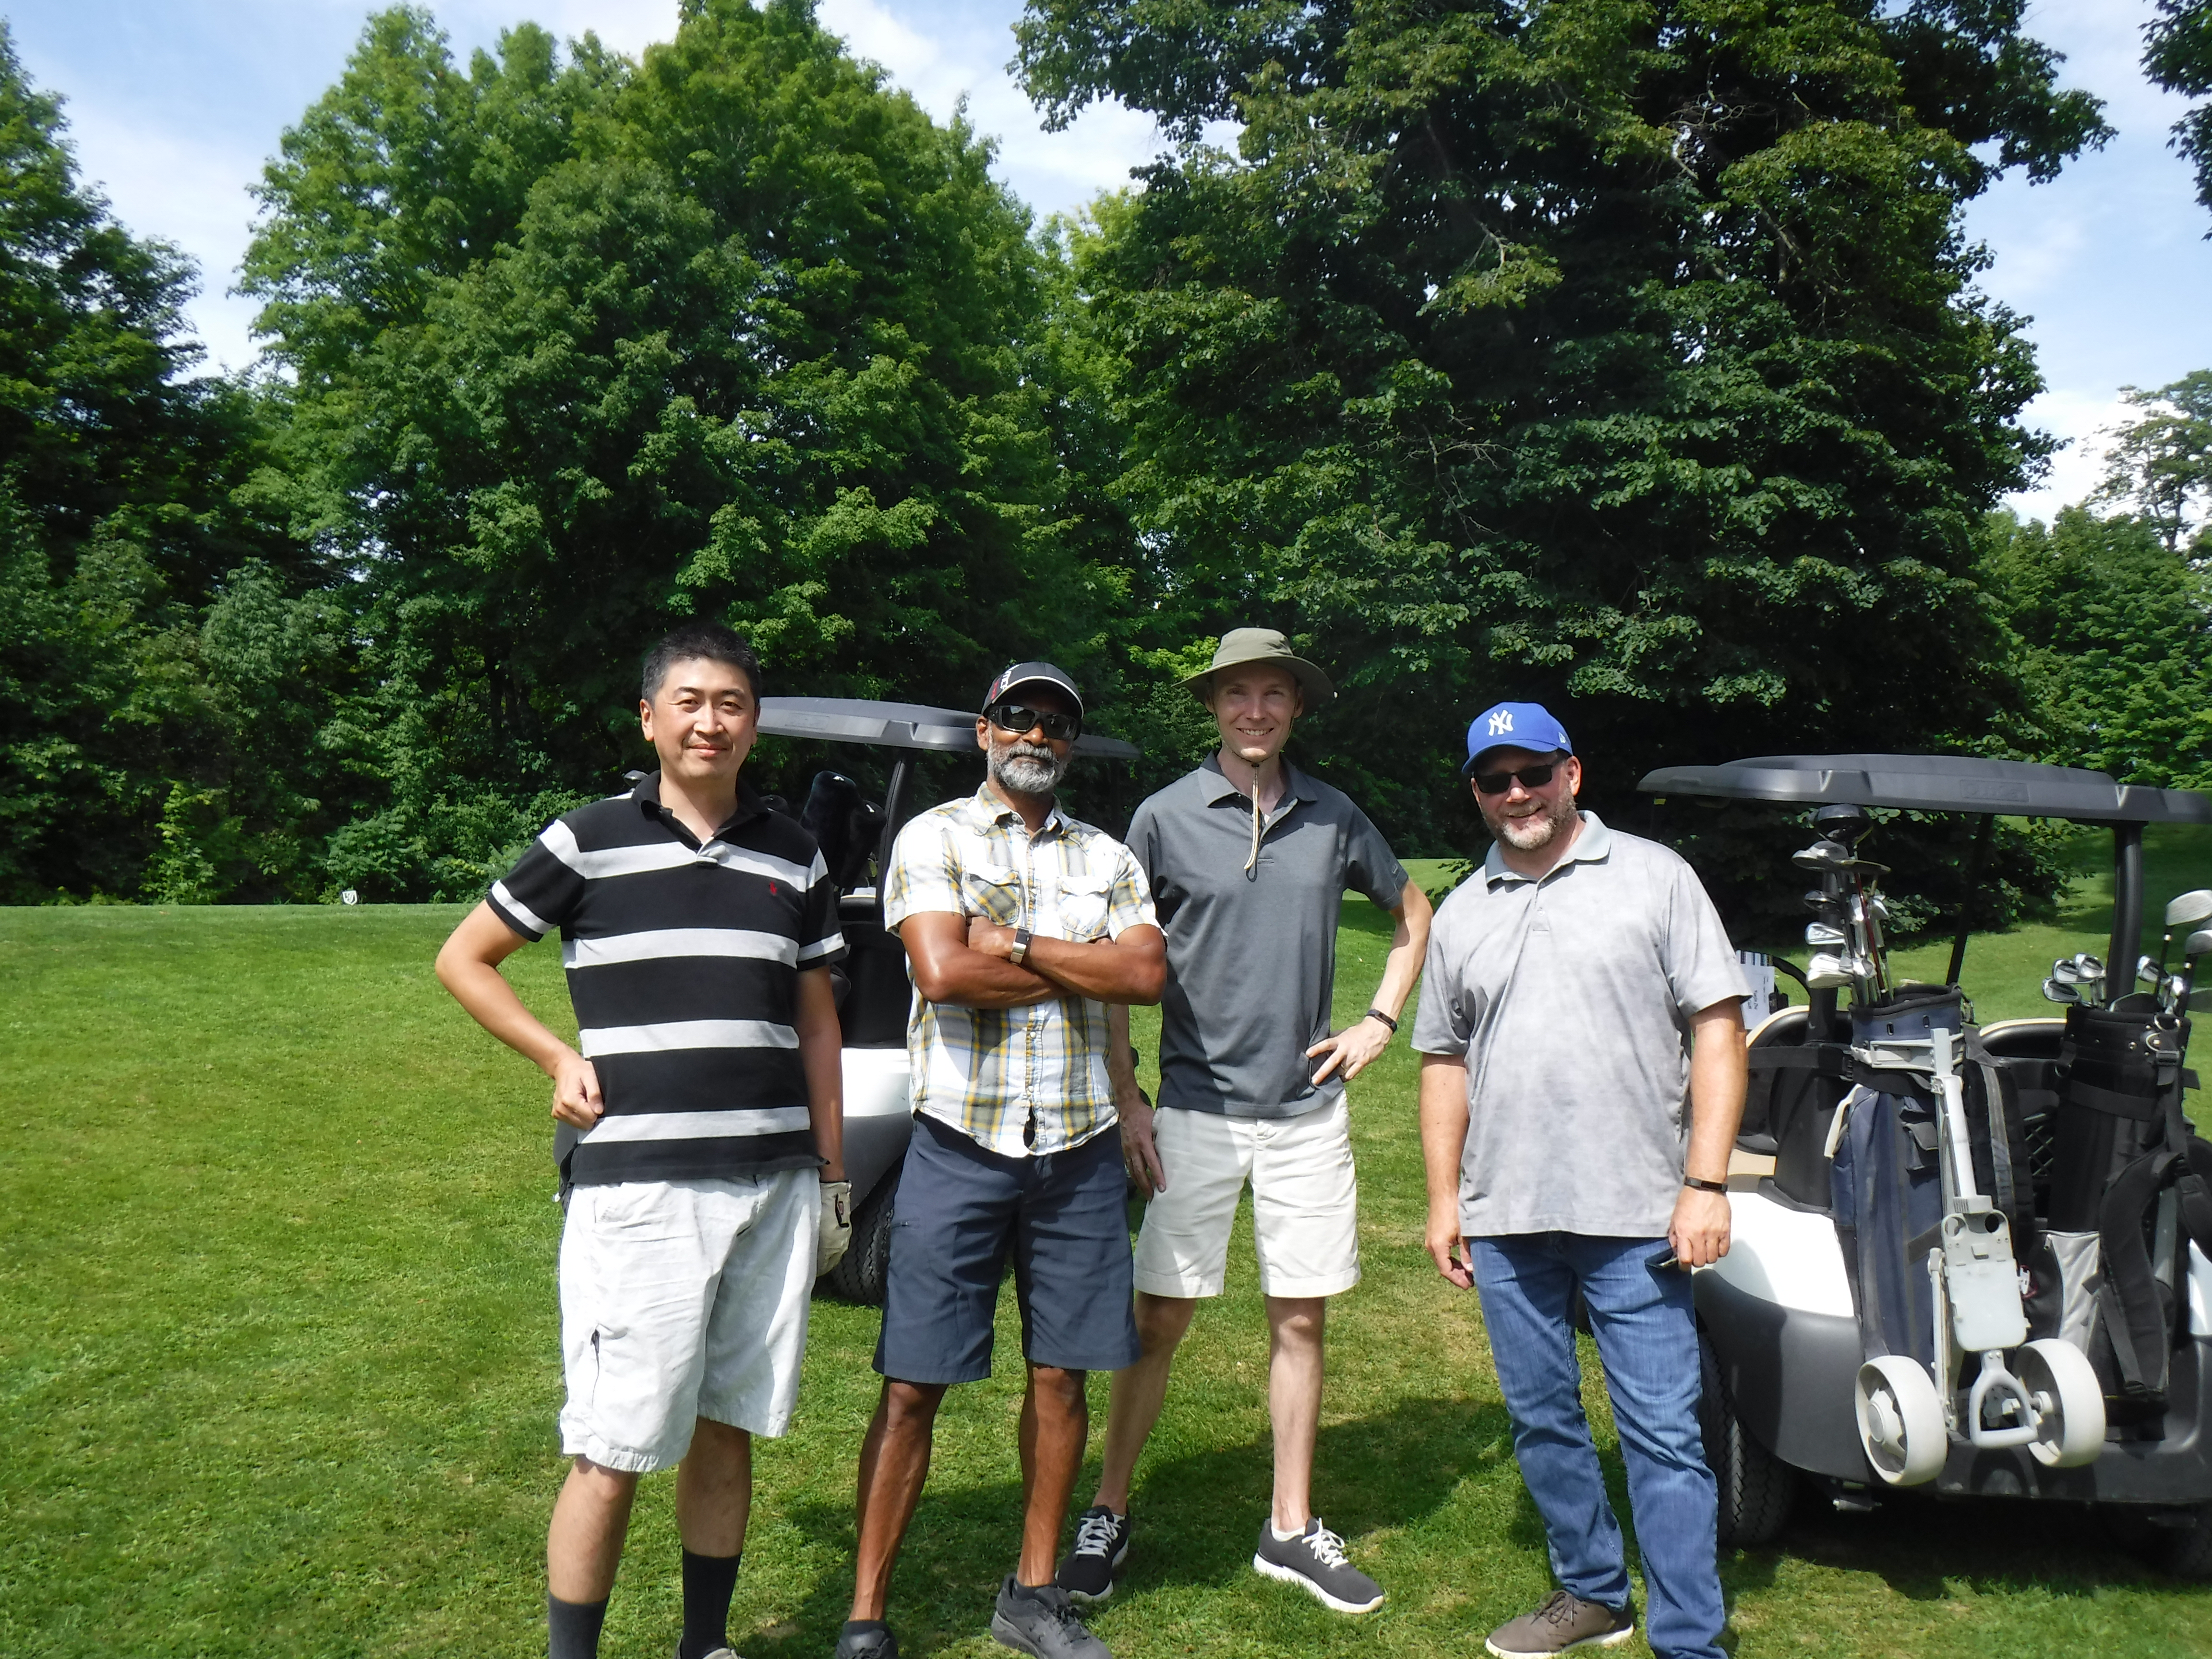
x: 1527, y: 725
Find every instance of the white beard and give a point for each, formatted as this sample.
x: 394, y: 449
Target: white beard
x: 1027, y: 768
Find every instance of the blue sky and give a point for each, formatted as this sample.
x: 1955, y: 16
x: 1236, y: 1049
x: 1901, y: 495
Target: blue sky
x: 173, y: 104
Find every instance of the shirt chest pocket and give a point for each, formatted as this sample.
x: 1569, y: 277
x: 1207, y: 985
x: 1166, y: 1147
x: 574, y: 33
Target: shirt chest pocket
x: 1083, y: 904
x: 995, y: 895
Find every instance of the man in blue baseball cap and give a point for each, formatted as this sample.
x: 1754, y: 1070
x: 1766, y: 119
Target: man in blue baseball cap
x: 1582, y: 1079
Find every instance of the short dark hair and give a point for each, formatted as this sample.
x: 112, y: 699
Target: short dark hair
x: 697, y: 640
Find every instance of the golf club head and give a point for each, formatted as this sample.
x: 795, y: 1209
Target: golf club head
x: 2171, y: 992
x: 2065, y: 972
x: 1824, y: 935
x: 1843, y: 822
x: 1827, y: 970
x: 2146, y: 972
x: 2054, y: 992
x: 2197, y: 945
x: 1823, y: 855
x: 2089, y: 966
x: 2189, y: 908
x: 1877, y: 908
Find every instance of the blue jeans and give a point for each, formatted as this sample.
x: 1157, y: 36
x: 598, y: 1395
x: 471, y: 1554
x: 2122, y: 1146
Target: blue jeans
x: 1647, y: 1336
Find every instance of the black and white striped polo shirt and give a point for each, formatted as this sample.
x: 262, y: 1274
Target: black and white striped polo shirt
x: 684, y: 965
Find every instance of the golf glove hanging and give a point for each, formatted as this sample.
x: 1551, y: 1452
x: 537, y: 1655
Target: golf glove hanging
x: 834, y: 1234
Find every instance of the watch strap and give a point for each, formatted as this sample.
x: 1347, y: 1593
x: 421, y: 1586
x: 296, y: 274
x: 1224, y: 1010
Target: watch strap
x: 1376, y: 1014
x: 1704, y: 1186
x: 1019, y: 955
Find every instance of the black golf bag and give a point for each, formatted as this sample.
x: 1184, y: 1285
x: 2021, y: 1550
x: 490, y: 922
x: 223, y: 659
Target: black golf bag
x: 2130, y: 1188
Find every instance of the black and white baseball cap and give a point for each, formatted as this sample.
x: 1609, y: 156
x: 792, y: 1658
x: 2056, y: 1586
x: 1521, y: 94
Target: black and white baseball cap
x: 1015, y: 675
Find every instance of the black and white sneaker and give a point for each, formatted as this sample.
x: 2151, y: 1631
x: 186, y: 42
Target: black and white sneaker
x: 1043, y: 1623
x: 1102, y: 1547
x: 874, y: 1642
x: 1313, y: 1560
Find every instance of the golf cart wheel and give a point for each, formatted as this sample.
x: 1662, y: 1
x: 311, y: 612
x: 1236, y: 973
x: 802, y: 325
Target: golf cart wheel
x: 862, y: 1276
x: 1757, y: 1488
x: 2073, y: 1432
x: 1900, y: 1420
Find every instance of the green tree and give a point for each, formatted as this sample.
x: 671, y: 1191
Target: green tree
x: 737, y: 333
x: 2116, y: 643
x: 2178, y: 56
x: 1621, y: 353
x: 2160, y: 462
x: 130, y: 492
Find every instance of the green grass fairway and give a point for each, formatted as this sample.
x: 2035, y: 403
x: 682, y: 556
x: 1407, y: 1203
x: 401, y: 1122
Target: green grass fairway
x: 279, y: 1363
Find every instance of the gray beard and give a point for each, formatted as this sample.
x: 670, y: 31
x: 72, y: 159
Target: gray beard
x: 1535, y: 834
x: 1027, y: 768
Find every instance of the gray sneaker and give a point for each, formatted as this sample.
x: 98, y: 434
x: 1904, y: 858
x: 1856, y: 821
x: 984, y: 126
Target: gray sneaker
x: 1101, y: 1545
x: 1043, y: 1623
x: 1564, y: 1621
x: 1314, y: 1560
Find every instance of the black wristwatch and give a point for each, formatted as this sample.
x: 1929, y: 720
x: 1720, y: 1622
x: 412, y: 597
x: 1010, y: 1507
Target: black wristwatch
x: 1020, y: 953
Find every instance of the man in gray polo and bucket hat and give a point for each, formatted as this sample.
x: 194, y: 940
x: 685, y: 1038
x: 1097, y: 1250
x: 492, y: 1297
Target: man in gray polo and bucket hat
x: 1248, y: 859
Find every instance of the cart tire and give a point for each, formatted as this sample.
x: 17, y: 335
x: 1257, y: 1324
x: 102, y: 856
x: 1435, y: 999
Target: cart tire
x: 1900, y: 1420
x: 2185, y: 1551
x: 2073, y: 1427
x: 1757, y: 1488
x: 865, y: 1269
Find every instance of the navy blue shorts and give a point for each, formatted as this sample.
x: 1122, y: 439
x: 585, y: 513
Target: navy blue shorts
x: 960, y: 1210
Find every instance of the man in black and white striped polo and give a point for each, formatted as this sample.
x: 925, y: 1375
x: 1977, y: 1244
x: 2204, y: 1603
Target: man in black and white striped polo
x: 702, y: 1135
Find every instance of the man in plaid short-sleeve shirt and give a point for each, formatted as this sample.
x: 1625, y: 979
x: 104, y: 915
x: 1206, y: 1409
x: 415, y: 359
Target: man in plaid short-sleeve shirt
x: 1020, y: 925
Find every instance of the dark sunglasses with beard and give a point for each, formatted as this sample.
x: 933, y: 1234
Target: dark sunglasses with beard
x: 1020, y: 717
x: 1531, y: 778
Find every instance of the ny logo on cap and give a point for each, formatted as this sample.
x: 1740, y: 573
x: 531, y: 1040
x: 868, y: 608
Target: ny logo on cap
x: 1501, y: 722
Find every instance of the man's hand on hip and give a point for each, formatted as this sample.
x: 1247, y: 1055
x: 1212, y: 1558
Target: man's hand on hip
x: 1140, y: 1153
x: 1700, y: 1231
x: 576, y: 1097
x: 1445, y: 1246
x: 1349, y: 1051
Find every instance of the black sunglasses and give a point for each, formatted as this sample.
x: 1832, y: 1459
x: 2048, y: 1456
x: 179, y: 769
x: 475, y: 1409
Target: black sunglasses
x: 1020, y: 717
x: 1529, y: 777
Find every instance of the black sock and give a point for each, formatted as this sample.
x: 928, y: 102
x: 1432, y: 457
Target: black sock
x: 709, y: 1583
x: 572, y: 1628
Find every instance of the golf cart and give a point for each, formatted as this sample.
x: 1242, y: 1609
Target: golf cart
x: 1973, y: 1259
x: 873, y: 990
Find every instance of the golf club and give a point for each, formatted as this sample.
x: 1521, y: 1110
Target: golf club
x: 2199, y: 944
x: 2054, y: 992
x: 1825, y: 936
x: 2185, y: 910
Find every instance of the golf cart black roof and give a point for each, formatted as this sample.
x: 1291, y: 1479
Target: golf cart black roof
x: 1935, y: 783
x: 897, y: 726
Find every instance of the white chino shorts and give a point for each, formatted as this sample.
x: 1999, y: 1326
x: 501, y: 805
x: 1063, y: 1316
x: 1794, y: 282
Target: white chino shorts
x: 1305, y: 1202
x: 683, y: 1299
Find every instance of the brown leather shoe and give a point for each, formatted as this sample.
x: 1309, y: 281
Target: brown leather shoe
x: 1564, y: 1621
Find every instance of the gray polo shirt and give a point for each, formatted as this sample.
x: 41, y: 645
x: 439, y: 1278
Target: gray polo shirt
x: 1570, y: 999
x: 1252, y: 958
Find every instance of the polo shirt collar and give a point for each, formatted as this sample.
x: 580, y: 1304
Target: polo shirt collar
x: 988, y: 810
x: 647, y: 796
x: 1591, y: 846
x: 1296, y: 786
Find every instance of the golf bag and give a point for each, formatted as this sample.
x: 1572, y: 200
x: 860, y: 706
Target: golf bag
x: 1886, y: 1183
x: 2123, y: 1154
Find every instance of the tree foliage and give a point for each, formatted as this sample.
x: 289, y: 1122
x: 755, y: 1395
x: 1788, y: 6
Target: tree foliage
x: 142, y: 561
x: 1620, y: 354
x: 2178, y: 56
x: 2160, y: 462
x: 2115, y: 632
x: 583, y: 348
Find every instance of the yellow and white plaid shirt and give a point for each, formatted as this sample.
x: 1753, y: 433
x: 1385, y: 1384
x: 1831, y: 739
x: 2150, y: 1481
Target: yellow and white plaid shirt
x: 1017, y: 1081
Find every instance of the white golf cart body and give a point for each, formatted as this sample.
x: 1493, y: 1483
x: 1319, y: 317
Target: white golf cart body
x: 875, y: 992
x: 1782, y: 1338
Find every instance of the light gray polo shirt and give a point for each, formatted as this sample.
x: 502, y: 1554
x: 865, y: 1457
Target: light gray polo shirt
x: 1570, y: 999
x: 1252, y: 958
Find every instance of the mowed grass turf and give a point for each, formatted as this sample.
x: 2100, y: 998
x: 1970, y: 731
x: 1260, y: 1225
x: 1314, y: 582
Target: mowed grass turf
x: 279, y: 1362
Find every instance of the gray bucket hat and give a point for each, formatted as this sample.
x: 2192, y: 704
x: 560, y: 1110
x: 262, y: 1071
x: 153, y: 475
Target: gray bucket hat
x: 1240, y: 646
